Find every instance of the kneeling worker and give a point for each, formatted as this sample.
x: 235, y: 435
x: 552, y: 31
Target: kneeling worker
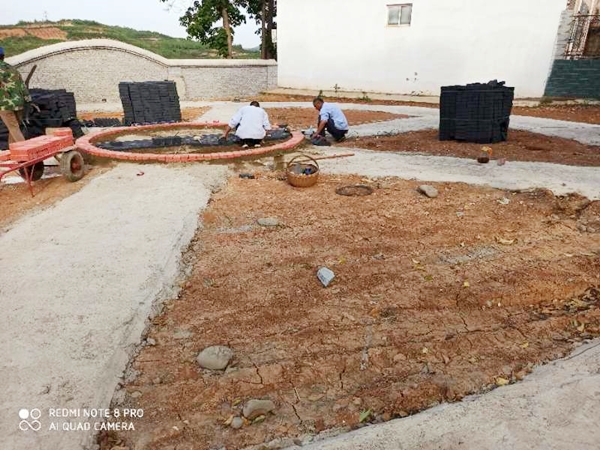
x: 331, y: 119
x: 250, y: 124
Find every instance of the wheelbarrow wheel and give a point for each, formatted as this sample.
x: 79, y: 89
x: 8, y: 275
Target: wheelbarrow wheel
x: 72, y: 165
x: 37, y: 171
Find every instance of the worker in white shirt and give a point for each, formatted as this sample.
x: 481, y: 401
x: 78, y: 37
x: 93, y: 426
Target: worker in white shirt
x: 251, y: 124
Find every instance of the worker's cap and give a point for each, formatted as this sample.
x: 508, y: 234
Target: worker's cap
x: 1, y: 51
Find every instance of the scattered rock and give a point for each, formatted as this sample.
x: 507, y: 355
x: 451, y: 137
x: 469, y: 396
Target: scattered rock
x: 325, y: 276
x: 215, y: 358
x: 156, y: 380
x: 237, y: 423
x: 136, y: 394
x: 256, y: 408
x: 268, y: 222
x: 427, y: 190
x: 460, y: 214
x: 504, y: 201
x: 150, y: 341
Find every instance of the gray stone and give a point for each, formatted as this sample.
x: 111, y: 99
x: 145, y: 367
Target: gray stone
x: 268, y: 222
x: 150, y: 341
x: 136, y: 394
x: 215, y: 358
x: 427, y: 190
x: 256, y: 408
x: 237, y: 423
x: 325, y: 276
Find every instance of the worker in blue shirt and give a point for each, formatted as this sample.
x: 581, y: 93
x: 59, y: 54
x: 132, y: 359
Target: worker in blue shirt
x: 331, y: 119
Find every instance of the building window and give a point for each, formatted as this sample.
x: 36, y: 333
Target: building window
x: 399, y: 14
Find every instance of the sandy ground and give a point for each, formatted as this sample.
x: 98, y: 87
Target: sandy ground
x: 520, y: 146
x: 426, y: 307
x: 77, y: 284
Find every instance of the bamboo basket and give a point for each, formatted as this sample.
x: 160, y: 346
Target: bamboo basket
x: 295, y: 172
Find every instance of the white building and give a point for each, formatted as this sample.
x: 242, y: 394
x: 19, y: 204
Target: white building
x: 415, y: 48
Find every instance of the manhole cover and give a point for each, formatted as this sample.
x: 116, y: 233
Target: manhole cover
x: 355, y: 190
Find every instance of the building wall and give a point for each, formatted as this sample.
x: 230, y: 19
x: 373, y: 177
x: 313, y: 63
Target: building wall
x: 348, y: 43
x: 93, y: 69
x: 578, y: 78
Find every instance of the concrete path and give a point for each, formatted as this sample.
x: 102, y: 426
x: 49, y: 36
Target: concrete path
x: 558, y: 178
x: 78, y: 282
x: 555, y: 408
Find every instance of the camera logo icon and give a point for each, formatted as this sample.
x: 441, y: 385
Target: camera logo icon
x: 29, y: 419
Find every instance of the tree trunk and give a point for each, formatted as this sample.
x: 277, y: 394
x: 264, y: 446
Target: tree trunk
x: 263, y: 47
x: 270, y: 20
x: 227, y: 27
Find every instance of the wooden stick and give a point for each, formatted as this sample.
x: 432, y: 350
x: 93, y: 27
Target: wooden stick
x: 343, y: 155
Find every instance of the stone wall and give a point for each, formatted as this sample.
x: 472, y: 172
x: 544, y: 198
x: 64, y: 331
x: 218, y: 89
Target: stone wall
x: 92, y: 69
x: 574, y: 78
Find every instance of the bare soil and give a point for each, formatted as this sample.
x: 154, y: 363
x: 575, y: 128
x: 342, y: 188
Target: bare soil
x: 570, y: 113
x: 302, y: 118
x: 309, y: 99
x: 187, y: 114
x: 16, y: 200
x: 427, y: 306
x: 520, y: 146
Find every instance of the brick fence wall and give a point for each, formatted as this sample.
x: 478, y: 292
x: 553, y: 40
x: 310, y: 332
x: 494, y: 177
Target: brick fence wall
x: 574, y: 78
x: 92, y: 69
x: 571, y: 78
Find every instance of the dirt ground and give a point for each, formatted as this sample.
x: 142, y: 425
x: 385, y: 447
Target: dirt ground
x: 433, y: 299
x: 187, y: 114
x: 302, y: 118
x: 520, y: 146
x: 16, y: 200
x: 570, y: 113
x: 575, y: 113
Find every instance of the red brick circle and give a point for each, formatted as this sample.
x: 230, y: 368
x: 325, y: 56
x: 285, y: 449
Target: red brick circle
x: 86, y: 144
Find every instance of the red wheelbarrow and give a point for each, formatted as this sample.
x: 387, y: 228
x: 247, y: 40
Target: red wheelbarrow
x: 27, y: 157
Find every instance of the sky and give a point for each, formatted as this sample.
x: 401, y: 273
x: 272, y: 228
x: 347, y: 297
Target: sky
x: 151, y: 15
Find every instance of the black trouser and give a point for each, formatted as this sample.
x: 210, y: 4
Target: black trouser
x: 332, y: 130
x: 251, y: 142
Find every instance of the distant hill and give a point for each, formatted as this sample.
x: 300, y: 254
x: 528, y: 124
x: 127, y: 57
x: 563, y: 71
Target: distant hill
x: 26, y: 36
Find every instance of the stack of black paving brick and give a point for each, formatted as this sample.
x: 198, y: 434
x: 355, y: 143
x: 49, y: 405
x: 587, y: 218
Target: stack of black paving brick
x: 57, y: 109
x: 476, y: 112
x: 150, y: 102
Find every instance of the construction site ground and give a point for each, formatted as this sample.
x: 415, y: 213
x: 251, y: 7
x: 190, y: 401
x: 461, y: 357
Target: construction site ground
x: 426, y: 307
x: 121, y: 281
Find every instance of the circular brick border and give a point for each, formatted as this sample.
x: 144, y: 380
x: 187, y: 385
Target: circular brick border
x: 86, y: 144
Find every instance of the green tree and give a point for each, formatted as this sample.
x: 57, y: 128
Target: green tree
x: 200, y: 19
